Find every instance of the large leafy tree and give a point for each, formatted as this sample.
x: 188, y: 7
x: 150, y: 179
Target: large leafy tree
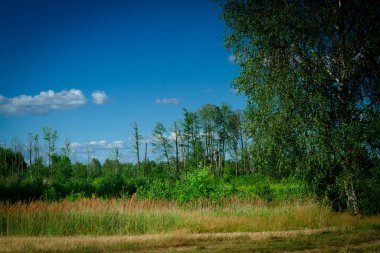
x: 310, y: 70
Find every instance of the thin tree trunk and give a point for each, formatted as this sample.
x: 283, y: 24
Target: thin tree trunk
x: 88, y: 160
x: 137, y: 146
x: 145, y: 158
x: 176, y: 150
x: 183, y: 153
x: 236, y: 158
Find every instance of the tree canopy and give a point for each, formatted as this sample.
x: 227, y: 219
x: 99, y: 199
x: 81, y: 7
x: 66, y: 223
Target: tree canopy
x: 310, y: 70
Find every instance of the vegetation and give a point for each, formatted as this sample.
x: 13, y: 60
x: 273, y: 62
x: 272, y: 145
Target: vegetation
x: 303, y: 155
x: 132, y: 217
x: 64, y: 180
x: 310, y: 71
x: 328, y: 240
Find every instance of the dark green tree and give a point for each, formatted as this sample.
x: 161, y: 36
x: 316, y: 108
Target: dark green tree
x: 11, y: 163
x: 310, y: 70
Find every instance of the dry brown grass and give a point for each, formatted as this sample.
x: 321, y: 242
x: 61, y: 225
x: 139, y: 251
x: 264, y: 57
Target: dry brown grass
x: 133, y: 217
x: 67, y: 243
x: 311, y: 240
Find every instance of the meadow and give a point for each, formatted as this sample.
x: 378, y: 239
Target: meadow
x: 132, y: 224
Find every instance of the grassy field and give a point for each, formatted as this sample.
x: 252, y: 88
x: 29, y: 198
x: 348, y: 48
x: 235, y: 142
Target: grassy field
x: 321, y: 240
x: 122, y: 225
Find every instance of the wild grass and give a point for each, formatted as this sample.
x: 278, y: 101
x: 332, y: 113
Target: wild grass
x: 320, y: 240
x: 135, y: 217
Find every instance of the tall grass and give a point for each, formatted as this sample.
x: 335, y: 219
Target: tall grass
x: 132, y: 216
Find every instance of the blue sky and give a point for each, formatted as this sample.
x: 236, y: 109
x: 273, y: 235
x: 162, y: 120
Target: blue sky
x: 90, y: 69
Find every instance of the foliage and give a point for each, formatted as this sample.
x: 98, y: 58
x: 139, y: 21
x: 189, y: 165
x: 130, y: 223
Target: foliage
x: 197, y: 184
x: 310, y: 72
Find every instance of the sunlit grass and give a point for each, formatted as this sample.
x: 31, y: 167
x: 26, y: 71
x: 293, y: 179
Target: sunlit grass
x: 320, y: 240
x: 133, y: 217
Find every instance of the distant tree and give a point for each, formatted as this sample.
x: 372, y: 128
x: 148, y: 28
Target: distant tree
x: 30, y: 148
x: 11, y: 163
x: 176, y: 137
x: 66, y: 148
x: 62, y: 169
x: 36, y: 147
x: 207, y: 117
x: 116, y: 159
x: 17, y: 159
x: 50, y: 136
x: 191, y: 132
x: 146, y: 158
x: 161, y: 143
x: 223, y: 117
x: 137, y: 145
x: 95, y: 168
x: 234, y: 126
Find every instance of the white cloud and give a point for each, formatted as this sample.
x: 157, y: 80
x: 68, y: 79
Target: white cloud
x: 75, y: 145
x: 99, y: 97
x: 168, y: 101
x: 98, y: 145
x: 119, y: 143
x: 42, y: 103
x: 231, y: 58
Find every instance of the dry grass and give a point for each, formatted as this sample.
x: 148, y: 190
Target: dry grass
x: 318, y: 240
x: 134, y: 217
x: 132, y: 225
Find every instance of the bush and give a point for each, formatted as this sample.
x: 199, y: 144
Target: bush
x: 197, y: 184
x: 49, y: 194
x: 368, y: 192
x: 265, y: 192
x: 156, y: 189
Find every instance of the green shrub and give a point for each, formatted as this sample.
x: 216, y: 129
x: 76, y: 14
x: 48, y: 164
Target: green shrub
x: 197, y: 184
x: 265, y: 192
x: 49, y: 194
x: 156, y: 189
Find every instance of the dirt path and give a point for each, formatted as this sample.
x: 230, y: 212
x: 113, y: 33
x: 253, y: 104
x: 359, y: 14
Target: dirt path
x: 181, y: 241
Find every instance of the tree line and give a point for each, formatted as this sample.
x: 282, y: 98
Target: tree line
x: 212, y: 136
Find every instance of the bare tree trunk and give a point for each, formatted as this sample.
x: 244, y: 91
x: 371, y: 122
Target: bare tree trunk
x: 223, y: 156
x: 219, y: 167
x: 206, y: 145
x: 212, y: 155
x: 88, y: 160
x: 30, y: 148
x: 36, y: 147
x: 176, y: 150
x: 145, y: 158
x: 236, y: 158
x: 187, y: 153
x: 137, y: 137
x: 183, y: 156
